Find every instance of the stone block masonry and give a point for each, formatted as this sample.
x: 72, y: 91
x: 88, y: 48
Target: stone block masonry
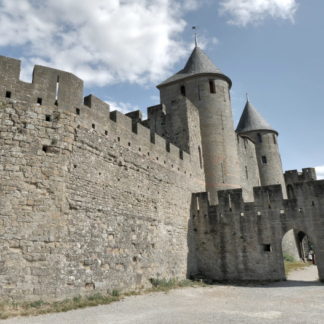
x: 87, y: 204
x: 246, y: 238
x: 92, y: 200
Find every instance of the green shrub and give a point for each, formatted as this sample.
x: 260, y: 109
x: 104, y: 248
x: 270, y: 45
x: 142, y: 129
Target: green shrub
x: 289, y: 258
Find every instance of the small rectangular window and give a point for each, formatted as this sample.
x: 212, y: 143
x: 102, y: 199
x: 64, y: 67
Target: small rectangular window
x: 93, y: 126
x: 267, y: 248
x: 212, y: 86
x: 259, y: 137
x: 183, y: 90
x: 77, y: 111
x: 264, y: 159
x: 39, y: 101
x: 48, y: 118
x: 8, y: 94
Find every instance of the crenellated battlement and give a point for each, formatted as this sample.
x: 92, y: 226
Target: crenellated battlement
x: 53, y: 90
x: 267, y: 198
x: 293, y: 176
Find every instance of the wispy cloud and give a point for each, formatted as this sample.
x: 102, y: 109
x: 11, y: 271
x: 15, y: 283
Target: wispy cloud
x: 320, y: 172
x: 244, y: 12
x: 102, y: 41
x: 123, y: 107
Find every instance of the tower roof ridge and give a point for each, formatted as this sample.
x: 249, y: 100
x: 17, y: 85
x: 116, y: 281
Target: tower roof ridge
x: 251, y: 120
x: 198, y: 63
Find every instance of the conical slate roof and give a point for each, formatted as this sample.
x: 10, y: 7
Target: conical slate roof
x: 251, y: 120
x: 198, y: 63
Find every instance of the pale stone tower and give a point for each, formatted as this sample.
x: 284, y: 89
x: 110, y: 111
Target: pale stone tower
x: 253, y: 125
x: 208, y: 89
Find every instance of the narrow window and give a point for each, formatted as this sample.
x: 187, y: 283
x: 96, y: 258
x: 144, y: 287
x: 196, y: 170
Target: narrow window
x: 267, y: 248
x: 8, y: 94
x: 199, y: 98
x: 259, y: 137
x: 222, y: 166
x: 183, y: 90
x: 93, y: 126
x: 200, y: 159
x: 212, y: 88
x: 77, y: 111
x: 48, y: 118
x: 274, y: 139
x: 57, y: 90
x: 246, y: 172
x: 264, y: 159
x: 106, y: 132
x: 181, y: 155
x: 39, y: 101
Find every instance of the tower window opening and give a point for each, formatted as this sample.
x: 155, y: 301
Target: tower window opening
x: 8, y: 94
x: 57, y: 90
x: 264, y: 159
x: 223, y: 177
x: 200, y: 159
x: 212, y: 88
x: 181, y: 154
x: 183, y: 90
x: 259, y: 137
x: 93, y: 126
x: 274, y: 139
x: 246, y: 172
x: 77, y: 111
x: 39, y: 101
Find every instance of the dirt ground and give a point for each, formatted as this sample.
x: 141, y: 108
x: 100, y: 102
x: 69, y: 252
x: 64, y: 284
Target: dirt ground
x: 299, y: 300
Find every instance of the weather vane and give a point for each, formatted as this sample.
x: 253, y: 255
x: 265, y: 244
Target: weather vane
x: 195, y: 29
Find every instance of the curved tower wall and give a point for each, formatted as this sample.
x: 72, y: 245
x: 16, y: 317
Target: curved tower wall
x: 269, y: 160
x: 219, y: 143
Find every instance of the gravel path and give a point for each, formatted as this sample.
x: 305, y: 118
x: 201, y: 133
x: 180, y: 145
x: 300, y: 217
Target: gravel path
x: 299, y: 300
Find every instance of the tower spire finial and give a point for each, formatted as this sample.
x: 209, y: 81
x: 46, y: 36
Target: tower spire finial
x: 247, y: 96
x: 195, y: 29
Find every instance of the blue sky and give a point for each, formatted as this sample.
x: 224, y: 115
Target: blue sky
x: 272, y: 49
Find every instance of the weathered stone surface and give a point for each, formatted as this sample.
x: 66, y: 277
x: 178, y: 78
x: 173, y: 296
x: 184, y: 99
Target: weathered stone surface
x: 93, y: 200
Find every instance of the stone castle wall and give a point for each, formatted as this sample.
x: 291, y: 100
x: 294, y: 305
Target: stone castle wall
x: 246, y: 238
x: 90, y: 201
x: 93, y: 200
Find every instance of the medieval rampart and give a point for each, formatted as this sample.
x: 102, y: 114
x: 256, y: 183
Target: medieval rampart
x: 90, y: 200
x: 246, y: 238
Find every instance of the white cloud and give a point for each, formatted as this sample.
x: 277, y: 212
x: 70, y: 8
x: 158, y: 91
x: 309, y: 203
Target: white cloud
x: 244, y: 12
x: 320, y: 172
x: 124, y: 107
x: 102, y: 41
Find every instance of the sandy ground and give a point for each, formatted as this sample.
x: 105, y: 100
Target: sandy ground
x: 299, y: 300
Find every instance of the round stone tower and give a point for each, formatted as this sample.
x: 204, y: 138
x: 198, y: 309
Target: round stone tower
x: 253, y: 125
x: 208, y: 89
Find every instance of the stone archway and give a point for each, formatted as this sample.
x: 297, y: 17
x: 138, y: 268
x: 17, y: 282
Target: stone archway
x: 298, y: 247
